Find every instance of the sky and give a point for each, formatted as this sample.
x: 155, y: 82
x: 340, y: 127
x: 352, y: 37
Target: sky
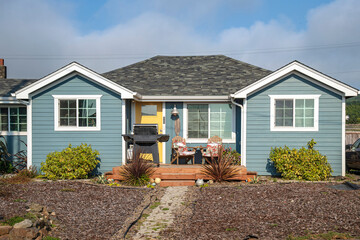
x: 38, y: 37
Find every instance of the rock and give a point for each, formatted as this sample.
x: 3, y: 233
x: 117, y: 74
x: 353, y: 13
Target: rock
x: 5, y: 230
x: 53, y: 214
x: 157, y: 180
x: 36, y: 207
x: 5, y: 237
x: 152, y: 180
x: 23, y: 233
x: 24, y: 224
x: 211, y: 181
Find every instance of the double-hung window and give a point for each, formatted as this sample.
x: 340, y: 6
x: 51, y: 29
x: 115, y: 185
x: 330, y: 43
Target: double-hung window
x: 13, y: 119
x: 77, y: 113
x: 207, y: 120
x: 294, y: 112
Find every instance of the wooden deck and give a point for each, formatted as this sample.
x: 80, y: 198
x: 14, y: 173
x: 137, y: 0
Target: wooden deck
x: 182, y: 175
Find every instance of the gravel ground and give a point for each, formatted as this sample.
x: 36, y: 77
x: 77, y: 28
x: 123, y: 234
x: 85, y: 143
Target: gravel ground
x: 83, y: 210
x: 268, y: 211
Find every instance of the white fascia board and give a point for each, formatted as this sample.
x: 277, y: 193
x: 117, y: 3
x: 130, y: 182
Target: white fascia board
x: 297, y: 67
x: 149, y: 98
x: 73, y: 67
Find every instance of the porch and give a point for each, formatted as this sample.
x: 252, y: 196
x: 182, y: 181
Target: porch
x: 182, y: 175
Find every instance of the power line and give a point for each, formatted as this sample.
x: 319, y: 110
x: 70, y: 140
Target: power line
x: 144, y: 55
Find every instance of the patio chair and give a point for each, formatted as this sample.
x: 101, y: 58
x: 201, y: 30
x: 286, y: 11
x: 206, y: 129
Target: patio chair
x: 180, y: 150
x: 212, y: 149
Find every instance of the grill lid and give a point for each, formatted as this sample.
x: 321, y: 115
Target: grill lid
x: 145, y: 129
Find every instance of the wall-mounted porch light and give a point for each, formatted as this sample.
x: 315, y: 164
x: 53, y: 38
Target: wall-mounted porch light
x: 175, y: 112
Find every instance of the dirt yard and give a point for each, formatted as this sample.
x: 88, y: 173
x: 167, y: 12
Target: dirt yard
x: 84, y: 211
x: 267, y: 211
x: 220, y: 211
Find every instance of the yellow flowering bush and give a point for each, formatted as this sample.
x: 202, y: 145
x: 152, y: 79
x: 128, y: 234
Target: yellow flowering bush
x: 301, y: 164
x: 70, y: 163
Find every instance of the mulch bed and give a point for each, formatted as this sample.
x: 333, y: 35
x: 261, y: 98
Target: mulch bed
x: 83, y: 210
x: 268, y: 211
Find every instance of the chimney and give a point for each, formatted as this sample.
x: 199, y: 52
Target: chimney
x: 2, y: 69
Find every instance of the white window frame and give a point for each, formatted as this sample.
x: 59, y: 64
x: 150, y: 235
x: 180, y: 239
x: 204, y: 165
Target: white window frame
x: 293, y: 128
x: 204, y: 140
x: 57, y: 127
x: 14, y: 133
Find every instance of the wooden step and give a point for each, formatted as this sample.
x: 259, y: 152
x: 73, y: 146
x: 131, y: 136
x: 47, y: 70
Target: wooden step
x: 176, y: 183
x: 175, y: 176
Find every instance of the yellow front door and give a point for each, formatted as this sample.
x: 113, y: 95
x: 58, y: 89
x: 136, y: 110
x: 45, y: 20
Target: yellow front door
x: 150, y: 113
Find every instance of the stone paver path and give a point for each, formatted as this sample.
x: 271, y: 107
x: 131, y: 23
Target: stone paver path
x: 162, y: 215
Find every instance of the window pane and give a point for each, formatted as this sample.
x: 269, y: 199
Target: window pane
x: 283, y: 112
x: 91, y: 122
x: 309, y: 113
x: 149, y: 110
x: 299, y: 122
x: 198, y: 121
x: 309, y: 103
x: 221, y: 120
x: 22, y: 127
x: 87, y: 112
x: 309, y: 122
x: 304, y: 113
x: 288, y: 122
x: 72, y: 121
x: 14, y: 127
x: 22, y: 111
x: 67, y: 112
x: 4, y: 119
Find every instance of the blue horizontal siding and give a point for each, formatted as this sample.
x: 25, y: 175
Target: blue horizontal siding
x: 260, y: 139
x: 108, y: 141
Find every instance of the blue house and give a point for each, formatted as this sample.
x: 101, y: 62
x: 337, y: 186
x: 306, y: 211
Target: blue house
x: 250, y: 108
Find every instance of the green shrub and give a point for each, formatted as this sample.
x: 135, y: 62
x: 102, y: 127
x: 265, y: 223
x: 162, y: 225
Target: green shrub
x: 70, y: 163
x: 301, y: 164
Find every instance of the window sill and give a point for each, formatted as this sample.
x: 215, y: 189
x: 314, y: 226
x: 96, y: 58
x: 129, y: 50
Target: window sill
x: 13, y: 133
x: 75, y: 129
x: 294, y: 129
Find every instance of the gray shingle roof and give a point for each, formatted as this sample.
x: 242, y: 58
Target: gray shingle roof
x: 8, y: 86
x: 215, y: 75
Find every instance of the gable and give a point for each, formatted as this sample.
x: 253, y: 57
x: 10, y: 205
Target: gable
x: 302, y: 70
x: 70, y: 70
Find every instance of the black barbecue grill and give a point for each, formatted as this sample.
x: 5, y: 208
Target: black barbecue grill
x: 145, y: 139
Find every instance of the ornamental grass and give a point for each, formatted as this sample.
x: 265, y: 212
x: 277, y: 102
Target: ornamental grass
x: 220, y: 168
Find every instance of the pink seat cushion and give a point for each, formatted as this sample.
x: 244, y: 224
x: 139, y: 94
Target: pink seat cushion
x: 212, y: 149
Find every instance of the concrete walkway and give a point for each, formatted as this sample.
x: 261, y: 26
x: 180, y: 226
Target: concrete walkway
x: 163, y: 213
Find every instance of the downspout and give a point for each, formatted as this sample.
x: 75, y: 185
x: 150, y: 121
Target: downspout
x: 242, y: 128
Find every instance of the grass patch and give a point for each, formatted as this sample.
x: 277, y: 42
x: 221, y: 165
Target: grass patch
x: 50, y: 238
x: 155, y: 205
x: 20, y: 200
x: 14, y: 220
x: 274, y: 224
x: 67, y: 190
x: 324, y: 236
x: 30, y: 216
x: 145, y: 215
x: 165, y: 209
x: 231, y: 229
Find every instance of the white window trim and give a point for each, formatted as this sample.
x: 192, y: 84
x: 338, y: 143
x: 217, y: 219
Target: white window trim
x: 76, y: 97
x: 293, y: 128
x: 14, y: 133
x: 204, y: 140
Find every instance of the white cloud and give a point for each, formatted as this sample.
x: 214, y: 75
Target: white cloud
x: 37, y: 38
